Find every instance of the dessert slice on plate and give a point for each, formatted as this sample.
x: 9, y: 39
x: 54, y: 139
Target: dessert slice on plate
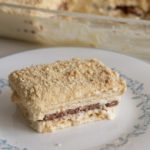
x: 66, y: 93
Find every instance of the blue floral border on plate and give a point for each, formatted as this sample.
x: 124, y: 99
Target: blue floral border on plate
x: 137, y: 89
x: 3, y: 83
x: 4, y: 145
x: 139, y: 128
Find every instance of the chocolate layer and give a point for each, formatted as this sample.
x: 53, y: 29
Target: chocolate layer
x: 78, y: 109
x: 131, y: 10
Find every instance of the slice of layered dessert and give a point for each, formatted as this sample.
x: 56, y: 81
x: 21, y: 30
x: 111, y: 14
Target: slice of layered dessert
x: 66, y: 93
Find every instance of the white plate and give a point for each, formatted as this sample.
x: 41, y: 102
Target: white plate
x: 129, y: 131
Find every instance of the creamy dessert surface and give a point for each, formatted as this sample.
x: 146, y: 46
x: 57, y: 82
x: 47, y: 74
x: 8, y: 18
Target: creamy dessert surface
x: 116, y: 8
x: 52, y: 4
x: 46, y: 4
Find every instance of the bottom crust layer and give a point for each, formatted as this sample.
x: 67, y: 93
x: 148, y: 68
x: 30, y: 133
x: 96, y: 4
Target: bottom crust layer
x: 72, y: 120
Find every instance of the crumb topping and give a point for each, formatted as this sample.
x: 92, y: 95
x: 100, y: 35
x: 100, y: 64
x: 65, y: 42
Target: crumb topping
x: 75, y: 76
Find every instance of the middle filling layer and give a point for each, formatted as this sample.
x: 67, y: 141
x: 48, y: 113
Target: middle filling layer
x: 78, y: 109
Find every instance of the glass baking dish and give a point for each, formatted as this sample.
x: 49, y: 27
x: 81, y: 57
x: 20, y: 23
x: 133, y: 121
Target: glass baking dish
x: 62, y: 28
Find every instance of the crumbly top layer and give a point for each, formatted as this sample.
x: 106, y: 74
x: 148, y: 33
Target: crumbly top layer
x: 32, y: 2
x: 80, y: 3
x: 43, y: 87
x: 115, y: 8
x: 47, y: 4
x: 111, y: 3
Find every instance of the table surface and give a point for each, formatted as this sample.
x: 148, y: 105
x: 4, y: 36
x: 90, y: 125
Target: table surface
x: 8, y: 47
